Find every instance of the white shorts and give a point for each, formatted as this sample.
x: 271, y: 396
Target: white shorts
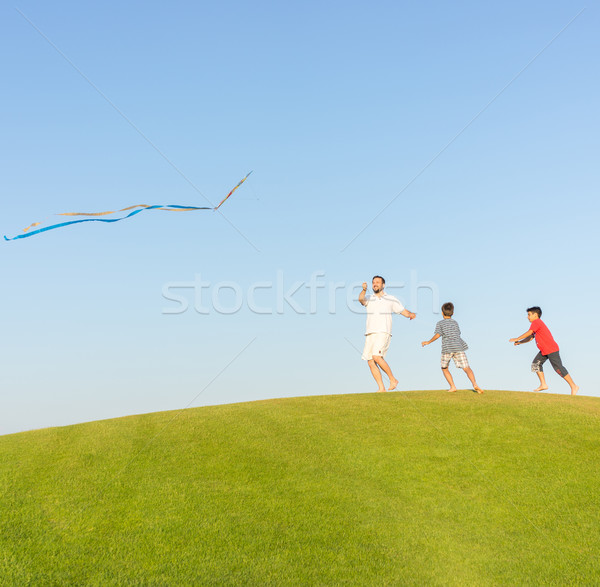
x: 376, y: 345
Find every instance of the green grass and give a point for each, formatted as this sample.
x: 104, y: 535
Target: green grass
x: 380, y: 489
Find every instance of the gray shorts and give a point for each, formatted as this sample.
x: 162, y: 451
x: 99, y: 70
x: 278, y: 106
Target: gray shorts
x: 539, y: 360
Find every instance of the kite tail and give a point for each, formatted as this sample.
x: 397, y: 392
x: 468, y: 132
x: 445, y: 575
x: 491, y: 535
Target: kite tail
x: 231, y: 192
x: 27, y: 232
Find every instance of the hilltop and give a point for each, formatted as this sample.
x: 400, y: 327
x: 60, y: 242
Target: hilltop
x: 417, y: 487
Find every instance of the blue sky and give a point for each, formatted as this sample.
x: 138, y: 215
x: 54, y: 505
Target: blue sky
x: 474, y: 127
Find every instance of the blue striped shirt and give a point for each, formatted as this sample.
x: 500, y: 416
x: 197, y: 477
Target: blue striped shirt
x: 449, y: 330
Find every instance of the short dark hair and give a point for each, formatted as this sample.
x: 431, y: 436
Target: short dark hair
x: 448, y: 309
x: 378, y: 277
x: 535, y: 310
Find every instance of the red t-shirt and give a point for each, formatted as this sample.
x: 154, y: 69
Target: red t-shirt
x: 543, y: 338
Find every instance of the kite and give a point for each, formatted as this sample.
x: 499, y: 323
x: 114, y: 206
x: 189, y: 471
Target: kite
x: 131, y: 211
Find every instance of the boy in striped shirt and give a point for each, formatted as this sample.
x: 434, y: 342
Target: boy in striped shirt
x: 453, y: 347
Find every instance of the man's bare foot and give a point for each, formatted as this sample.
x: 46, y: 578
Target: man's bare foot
x: 380, y: 390
x: 574, y: 390
x: 393, y: 384
x: 478, y: 389
x: 541, y: 388
x: 452, y: 390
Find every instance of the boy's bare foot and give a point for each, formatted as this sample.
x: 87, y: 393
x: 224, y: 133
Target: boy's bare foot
x: 478, y: 389
x: 393, y: 384
x: 541, y: 388
x: 452, y: 390
x: 574, y: 390
x: 380, y: 390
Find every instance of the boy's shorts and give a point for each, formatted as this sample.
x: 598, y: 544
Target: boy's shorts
x: 460, y: 360
x: 555, y: 361
x: 376, y: 344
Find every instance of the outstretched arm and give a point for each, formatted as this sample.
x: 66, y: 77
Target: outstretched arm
x: 361, y: 295
x: 526, y: 337
x: 433, y: 338
x: 408, y: 314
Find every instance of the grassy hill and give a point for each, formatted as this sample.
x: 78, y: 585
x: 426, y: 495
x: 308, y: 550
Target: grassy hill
x: 397, y: 488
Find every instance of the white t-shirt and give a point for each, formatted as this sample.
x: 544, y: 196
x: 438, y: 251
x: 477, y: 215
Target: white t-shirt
x: 379, y: 313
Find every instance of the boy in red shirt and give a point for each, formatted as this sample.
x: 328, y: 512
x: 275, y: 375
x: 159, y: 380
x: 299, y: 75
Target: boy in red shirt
x: 548, y: 349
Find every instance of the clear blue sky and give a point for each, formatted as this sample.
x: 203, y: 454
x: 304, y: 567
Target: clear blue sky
x: 337, y: 107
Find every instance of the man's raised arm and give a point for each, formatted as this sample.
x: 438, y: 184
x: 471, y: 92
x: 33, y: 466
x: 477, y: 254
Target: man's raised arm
x: 361, y: 295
